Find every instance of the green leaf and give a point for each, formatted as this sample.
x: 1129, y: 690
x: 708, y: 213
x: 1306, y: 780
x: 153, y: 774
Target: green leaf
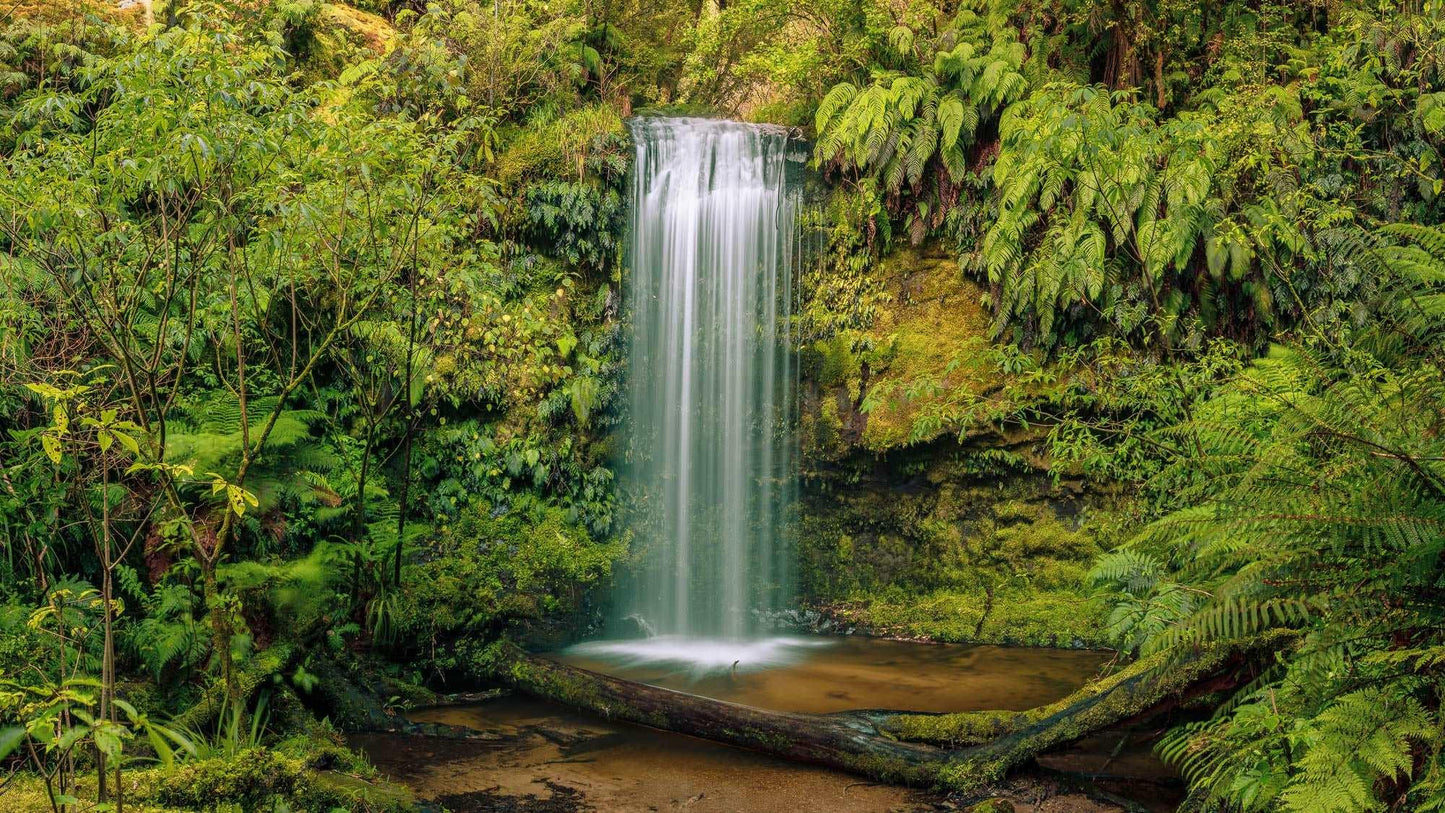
x: 164, y: 752
x: 950, y: 119
x: 45, y: 390
x: 51, y: 445
x: 10, y: 739
x: 108, y: 740
x: 128, y: 442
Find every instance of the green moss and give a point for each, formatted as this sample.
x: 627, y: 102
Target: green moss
x: 934, y: 325
x: 925, y: 345
x: 337, y: 35
x: 56, y: 11
x: 954, y: 555
x: 258, y: 779
x: 1016, y: 617
x: 957, y: 730
x: 361, y: 27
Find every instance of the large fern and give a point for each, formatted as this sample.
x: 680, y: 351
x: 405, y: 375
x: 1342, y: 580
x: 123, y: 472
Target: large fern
x: 910, y: 130
x: 1321, y: 509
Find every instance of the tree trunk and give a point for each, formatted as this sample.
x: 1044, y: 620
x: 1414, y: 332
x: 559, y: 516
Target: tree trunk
x: 959, y: 751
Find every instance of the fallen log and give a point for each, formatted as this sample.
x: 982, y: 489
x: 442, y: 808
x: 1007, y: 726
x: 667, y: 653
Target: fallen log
x: 957, y: 751
x: 279, y: 657
x: 851, y: 741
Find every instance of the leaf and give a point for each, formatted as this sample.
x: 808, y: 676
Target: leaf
x: 950, y: 119
x: 240, y: 498
x: 51, y: 444
x: 164, y: 752
x: 584, y: 397
x: 127, y: 441
x: 107, y: 740
x: 10, y: 739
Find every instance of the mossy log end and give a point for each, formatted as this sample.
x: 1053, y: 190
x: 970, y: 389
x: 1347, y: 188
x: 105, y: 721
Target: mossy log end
x: 957, y: 751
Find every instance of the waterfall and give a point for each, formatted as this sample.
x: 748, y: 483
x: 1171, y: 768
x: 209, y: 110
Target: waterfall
x: 709, y: 471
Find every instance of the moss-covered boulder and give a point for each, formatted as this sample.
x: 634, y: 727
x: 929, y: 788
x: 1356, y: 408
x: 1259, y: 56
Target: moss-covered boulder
x: 261, y: 779
x: 325, y: 38
x: 966, y: 544
x: 131, y: 14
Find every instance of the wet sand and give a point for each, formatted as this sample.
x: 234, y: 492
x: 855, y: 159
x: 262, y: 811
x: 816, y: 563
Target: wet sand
x: 578, y: 762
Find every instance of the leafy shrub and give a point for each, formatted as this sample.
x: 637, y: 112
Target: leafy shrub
x: 255, y: 779
x: 494, y: 566
x: 581, y: 223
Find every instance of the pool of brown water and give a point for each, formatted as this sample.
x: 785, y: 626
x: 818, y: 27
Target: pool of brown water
x: 849, y: 673
x: 535, y: 755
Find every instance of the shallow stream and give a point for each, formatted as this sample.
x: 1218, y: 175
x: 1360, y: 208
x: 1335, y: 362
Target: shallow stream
x: 541, y: 756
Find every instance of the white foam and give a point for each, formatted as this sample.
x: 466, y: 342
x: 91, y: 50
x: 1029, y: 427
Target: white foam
x: 700, y: 656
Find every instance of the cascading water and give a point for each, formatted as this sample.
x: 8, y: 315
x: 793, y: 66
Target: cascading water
x: 709, y: 475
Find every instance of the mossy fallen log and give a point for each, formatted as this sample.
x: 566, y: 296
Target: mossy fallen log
x: 957, y: 751
x: 851, y: 741
x: 1147, y: 686
x: 278, y: 657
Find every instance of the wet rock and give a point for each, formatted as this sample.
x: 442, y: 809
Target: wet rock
x: 562, y: 799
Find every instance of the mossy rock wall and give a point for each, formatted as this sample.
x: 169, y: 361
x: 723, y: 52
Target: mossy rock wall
x: 929, y: 319
x: 918, y: 533
x: 947, y: 543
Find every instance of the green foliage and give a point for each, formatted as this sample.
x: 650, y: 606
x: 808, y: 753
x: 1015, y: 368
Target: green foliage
x: 489, y: 569
x: 1310, y: 496
x: 579, y: 222
x: 309, y: 338
x: 922, y: 120
x: 579, y: 143
x: 247, y: 297
x: 251, y: 779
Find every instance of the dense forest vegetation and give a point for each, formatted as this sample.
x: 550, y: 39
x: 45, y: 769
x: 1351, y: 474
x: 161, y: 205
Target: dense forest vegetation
x: 1125, y: 328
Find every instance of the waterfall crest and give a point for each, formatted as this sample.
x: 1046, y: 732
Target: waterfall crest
x: 709, y: 471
